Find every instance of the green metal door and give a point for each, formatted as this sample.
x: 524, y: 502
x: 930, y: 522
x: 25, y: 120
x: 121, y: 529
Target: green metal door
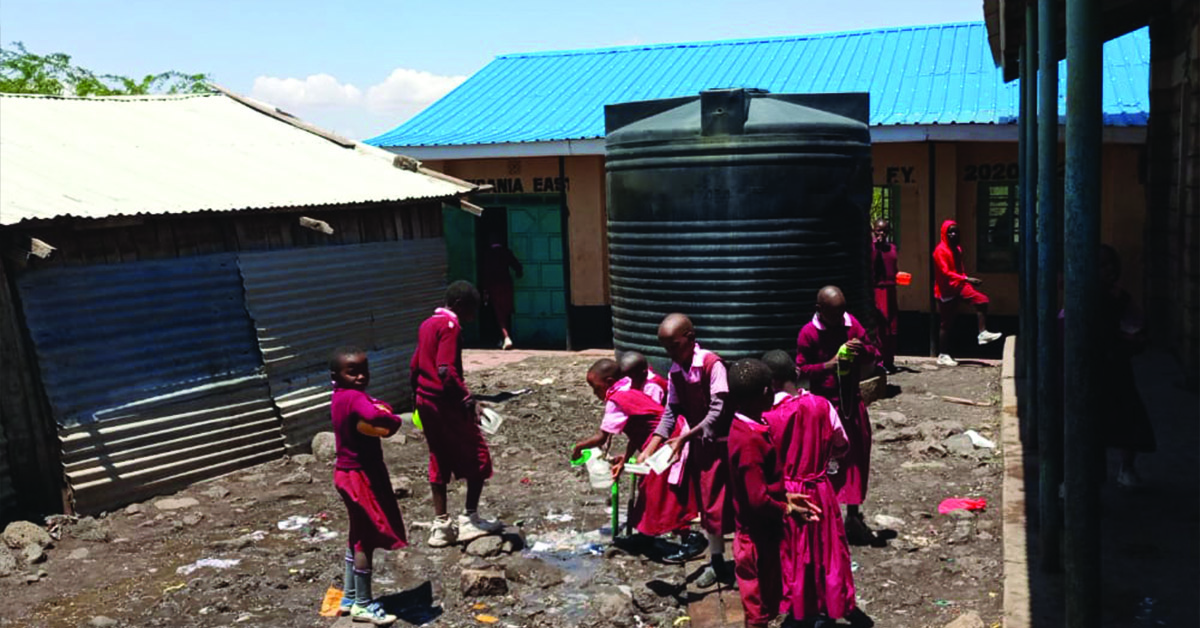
x: 540, y: 302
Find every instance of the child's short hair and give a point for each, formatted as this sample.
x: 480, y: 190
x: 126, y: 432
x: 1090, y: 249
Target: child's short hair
x: 335, y: 358
x: 748, y: 377
x: 632, y: 361
x: 461, y: 291
x: 783, y: 368
x: 604, y: 368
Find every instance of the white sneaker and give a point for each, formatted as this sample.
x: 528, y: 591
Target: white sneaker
x: 443, y: 532
x: 473, y: 526
x: 986, y: 336
x: 507, y: 344
x: 945, y: 360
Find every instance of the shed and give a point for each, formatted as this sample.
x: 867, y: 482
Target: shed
x: 206, y: 253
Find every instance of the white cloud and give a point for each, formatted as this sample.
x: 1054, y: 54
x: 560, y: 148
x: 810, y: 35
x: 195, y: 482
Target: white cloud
x: 325, y: 101
x: 318, y: 90
x: 407, y: 91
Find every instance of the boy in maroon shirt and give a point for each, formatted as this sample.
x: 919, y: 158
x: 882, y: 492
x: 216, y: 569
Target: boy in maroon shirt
x: 831, y: 352
x: 697, y: 388
x: 760, y: 504
x: 450, y: 417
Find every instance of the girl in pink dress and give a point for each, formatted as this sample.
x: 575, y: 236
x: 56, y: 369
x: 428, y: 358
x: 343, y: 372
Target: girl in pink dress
x: 362, y: 481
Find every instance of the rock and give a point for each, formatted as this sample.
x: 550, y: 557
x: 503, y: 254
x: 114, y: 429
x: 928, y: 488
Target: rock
x: 91, y: 529
x: 176, y: 503
x: 8, y: 562
x: 402, y: 485
x: 485, y: 546
x: 324, y: 447
x: 888, y: 522
x: 613, y: 605
x: 304, y: 459
x: 133, y: 510
x: 895, y: 435
x: 481, y: 582
x: 193, y: 518
x: 959, y: 445
x: 253, y: 478
x: 513, y: 541
x: 926, y: 447
x: 533, y: 571
x: 964, y: 529
x: 888, y: 419
x: 913, y: 466
x: 937, y: 430
x: 79, y: 554
x: 100, y: 621
x: 873, y: 389
x: 18, y: 534
x: 33, y: 554
x: 216, y: 492
x: 969, y: 619
x: 298, y: 477
x: 396, y: 439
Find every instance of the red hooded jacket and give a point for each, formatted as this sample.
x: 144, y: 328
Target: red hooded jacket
x: 949, y: 276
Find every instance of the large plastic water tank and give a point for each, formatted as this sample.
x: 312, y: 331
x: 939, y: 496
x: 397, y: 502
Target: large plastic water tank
x: 734, y: 207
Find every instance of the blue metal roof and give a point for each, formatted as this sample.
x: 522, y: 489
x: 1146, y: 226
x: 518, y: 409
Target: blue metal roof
x: 917, y: 75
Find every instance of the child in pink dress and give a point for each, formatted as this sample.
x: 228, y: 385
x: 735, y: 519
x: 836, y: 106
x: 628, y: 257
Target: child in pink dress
x: 808, y: 435
x: 362, y: 481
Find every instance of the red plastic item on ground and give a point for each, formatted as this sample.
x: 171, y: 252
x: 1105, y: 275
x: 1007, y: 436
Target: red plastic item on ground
x: 903, y: 278
x: 961, y: 503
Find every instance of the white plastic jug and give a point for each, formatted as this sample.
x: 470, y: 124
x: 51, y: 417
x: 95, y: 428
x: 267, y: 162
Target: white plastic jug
x: 599, y: 471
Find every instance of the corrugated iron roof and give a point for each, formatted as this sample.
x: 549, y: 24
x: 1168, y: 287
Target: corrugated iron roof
x: 918, y: 75
x: 101, y: 157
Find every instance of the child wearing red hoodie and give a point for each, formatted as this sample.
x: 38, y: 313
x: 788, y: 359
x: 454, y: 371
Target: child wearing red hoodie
x: 952, y: 286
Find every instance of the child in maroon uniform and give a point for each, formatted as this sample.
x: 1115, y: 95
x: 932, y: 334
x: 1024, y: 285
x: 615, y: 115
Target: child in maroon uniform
x: 884, y: 265
x: 831, y: 352
x: 450, y: 418
x: 696, y: 391
x: 807, y: 435
x: 634, y: 409
x: 762, y: 507
x: 361, y: 479
x: 952, y: 285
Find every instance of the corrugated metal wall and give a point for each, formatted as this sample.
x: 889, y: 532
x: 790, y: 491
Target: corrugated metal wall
x: 153, y: 373
x: 307, y: 302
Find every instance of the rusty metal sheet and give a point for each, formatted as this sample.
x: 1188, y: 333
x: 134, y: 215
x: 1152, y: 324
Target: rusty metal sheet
x: 307, y: 302
x: 153, y: 375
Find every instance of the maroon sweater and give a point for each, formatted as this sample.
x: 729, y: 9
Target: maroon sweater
x: 436, y: 367
x: 755, y: 478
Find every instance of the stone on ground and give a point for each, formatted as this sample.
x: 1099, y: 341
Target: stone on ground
x: 8, y: 562
x: 969, y: 619
x: 79, y: 554
x: 324, y: 447
x: 481, y: 582
x: 402, y: 485
x: 33, y: 554
x: 888, y: 522
x: 101, y: 621
x: 297, y: 477
x: 176, y: 503
x: 304, y: 459
x: 485, y: 546
x: 18, y: 534
x: 959, y: 445
x: 91, y: 529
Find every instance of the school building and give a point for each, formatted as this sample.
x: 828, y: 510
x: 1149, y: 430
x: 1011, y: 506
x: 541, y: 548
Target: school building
x: 943, y: 125
x: 174, y: 272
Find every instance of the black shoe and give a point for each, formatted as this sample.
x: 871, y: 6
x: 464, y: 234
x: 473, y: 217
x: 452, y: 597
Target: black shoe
x: 716, y: 573
x: 636, y: 543
x: 859, y: 619
x: 693, y: 544
x: 857, y: 532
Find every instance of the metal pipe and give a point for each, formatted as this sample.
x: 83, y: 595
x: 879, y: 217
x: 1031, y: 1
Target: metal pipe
x: 1029, y: 220
x: 1081, y: 547
x: 1049, y: 412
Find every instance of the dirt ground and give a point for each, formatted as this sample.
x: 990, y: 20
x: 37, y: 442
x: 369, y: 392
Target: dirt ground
x: 137, y: 567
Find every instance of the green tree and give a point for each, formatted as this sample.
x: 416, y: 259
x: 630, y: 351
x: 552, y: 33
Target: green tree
x: 24, y: 72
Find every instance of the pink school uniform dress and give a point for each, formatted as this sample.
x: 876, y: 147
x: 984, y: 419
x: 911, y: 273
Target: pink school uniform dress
x: 661, y: 507
x: 807, y: 433
x: 359, y: 474
x: 694, y: 392
x: 815, y: 346
x: 756, y: 490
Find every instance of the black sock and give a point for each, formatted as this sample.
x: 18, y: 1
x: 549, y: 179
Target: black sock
x: 362, y: 587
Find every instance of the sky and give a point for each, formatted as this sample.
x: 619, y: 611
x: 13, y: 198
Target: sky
x: 361, y: 68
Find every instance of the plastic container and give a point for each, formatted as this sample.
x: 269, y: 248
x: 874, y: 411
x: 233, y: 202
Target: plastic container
x: 599, y: 471
x: 660, y: 460
x: 490, y: 423
x: 637, y: 469
x: 903, y: 279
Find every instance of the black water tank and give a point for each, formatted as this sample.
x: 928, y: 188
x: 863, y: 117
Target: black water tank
x: 734, y: 207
